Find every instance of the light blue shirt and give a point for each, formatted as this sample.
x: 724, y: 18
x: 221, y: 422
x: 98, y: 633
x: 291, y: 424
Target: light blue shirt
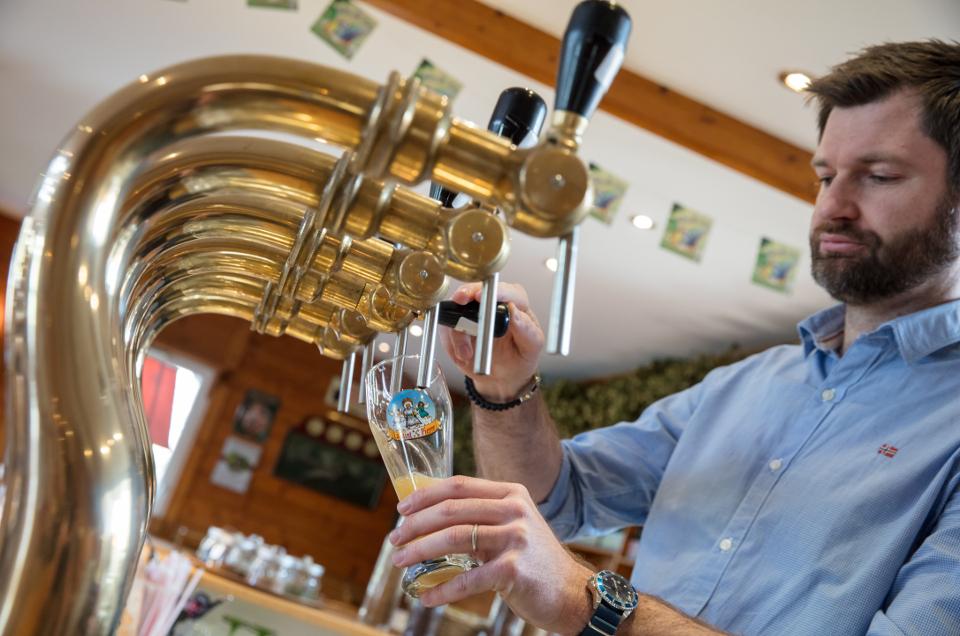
x: 796, y: 491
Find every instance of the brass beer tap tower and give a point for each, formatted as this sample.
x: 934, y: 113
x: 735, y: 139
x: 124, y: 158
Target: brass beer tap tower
x: 144, y: 216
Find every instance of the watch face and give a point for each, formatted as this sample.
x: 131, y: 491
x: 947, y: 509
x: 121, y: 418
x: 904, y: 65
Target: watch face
x: 616, y: 590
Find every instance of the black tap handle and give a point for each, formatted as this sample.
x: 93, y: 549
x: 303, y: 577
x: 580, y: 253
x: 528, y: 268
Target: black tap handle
x: 518, y: 116
x: 591, y: 54
x: 464, y: 317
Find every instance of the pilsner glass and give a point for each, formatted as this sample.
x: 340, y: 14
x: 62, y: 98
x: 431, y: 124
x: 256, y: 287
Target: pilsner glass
x: 413, y: 428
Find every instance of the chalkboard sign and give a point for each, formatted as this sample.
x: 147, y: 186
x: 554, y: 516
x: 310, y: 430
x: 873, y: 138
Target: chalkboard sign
x: 331, y: 468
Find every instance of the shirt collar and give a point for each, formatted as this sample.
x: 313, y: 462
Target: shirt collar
x: 819, y: 330
x: 917, y: 335
x: 928, y: 331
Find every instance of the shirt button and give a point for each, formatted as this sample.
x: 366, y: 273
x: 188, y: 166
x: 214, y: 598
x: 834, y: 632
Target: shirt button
x: 726, y: 544
x: 775, y: 464
x: 828, y: 394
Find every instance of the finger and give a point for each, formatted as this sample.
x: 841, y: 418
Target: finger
x: 458, y: 487
x: 497, y: 575
x: 467, y: 292
x: 528, y: 337
x: 459, y: 346
x: 506, y: 293
x: 451, y: 512
x: 446, y: 341
x: 491, y: 542
x: 512, y: 293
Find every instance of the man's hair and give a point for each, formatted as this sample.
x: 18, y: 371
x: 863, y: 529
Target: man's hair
x: 930, y: 68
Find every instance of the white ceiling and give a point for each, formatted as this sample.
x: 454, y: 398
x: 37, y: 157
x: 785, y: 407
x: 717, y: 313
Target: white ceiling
x: 635, y: 301
x: 728, y: 53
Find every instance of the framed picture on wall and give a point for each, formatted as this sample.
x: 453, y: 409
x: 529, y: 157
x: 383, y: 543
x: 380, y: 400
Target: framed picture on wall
x: 254, y: 417
x: 234, y: 470
x: 335, y: 460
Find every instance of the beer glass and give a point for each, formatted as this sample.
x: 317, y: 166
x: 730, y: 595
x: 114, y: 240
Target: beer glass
x: 413, y: 428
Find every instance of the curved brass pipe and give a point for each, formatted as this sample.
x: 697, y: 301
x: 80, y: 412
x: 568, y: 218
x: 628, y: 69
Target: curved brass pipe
x: 249, y: 235
x: 86, y: 296
x: 295, y: 174
x: 255, y: 190
x: 286, y: 171
x: 80, y: 473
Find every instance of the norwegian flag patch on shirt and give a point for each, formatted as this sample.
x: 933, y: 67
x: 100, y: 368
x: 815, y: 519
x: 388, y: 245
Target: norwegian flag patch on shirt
x: 887, y: 450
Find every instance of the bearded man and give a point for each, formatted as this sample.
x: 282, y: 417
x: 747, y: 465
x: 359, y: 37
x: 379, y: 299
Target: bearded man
x: 809, y: 489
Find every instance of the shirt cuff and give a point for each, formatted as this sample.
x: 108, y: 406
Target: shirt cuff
x: 553, y: 504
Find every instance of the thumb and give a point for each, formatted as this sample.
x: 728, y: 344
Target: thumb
x: 528, y: 337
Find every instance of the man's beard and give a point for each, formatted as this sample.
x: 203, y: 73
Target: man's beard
x: 888, y: 268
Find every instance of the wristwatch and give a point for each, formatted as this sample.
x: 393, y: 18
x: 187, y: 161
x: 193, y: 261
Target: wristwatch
x: 613, y: 601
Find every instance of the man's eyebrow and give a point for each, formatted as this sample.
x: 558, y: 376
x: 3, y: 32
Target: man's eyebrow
x: 820, y: 162
x: 881, y: 158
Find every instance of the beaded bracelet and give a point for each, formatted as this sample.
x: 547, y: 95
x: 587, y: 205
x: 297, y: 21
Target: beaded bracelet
x: 484, y: 403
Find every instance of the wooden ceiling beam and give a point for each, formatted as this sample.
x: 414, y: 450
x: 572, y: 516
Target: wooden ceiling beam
x: 633, y: 98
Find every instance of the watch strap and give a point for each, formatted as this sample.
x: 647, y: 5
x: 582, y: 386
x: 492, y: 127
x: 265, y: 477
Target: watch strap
x: 605, y: 621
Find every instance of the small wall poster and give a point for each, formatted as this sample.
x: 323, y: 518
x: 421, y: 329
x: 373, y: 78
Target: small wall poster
x: 437, y: 80
x: 344, y: 26
x: 687, y: 232
x: 776, y: 265
x: 608, y: 192
x: 234, y: 470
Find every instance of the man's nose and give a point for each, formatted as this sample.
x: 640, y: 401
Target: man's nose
x: 837, y: 200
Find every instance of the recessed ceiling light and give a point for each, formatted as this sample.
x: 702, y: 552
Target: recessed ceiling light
x: 416, y: 331
x: 797, y: 81
x: 642, y: 222
x: 383, y: 347
x: 551, y: 264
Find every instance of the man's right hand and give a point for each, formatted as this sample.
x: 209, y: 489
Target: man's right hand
x: 515, y: 355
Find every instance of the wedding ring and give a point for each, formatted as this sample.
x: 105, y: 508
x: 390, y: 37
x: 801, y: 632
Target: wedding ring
x: 473, y: 537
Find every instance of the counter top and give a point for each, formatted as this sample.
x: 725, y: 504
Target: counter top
x: 257, y: 611
x: 336, y: 618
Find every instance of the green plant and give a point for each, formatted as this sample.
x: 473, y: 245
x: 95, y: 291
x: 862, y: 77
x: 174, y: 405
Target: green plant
x: 585, y: 405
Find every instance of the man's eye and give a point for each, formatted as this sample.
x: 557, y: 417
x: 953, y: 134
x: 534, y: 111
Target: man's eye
x: 882, y: 178
x: 824, y: 180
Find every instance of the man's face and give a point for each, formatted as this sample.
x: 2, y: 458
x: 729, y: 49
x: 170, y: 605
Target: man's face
x: 884, y: 221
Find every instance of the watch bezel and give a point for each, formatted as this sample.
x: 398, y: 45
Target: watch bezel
x: 608, y: 596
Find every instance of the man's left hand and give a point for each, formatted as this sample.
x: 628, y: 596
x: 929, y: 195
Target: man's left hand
x: 521, y: 558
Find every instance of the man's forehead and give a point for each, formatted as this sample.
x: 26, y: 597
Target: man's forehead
x: 887, y: 130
